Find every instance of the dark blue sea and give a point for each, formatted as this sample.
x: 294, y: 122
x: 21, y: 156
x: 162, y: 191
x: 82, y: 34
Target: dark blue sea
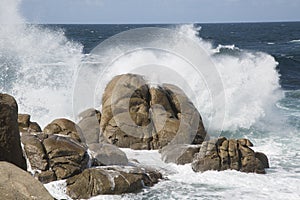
x: 252, y: 79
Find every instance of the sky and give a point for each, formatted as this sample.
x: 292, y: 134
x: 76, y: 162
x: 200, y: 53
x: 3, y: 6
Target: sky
x: 158, y: 11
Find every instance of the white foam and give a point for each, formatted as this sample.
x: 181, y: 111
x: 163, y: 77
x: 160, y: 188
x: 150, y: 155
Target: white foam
x: 58, y: 189
x: 42, y: 64
x: 295, y: 41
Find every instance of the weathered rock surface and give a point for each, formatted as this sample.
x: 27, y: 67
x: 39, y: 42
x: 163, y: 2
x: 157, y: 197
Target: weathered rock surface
x: 107, y: 154
x: 67, y: 157
x: 110, y: 180
x: 90, y: 126
x: 179, y: 154
x: 10, y: 146
x: 25, y: 125
x: 64, y: 127
x: 18, y: 184
x: 139, y: 117
x: 35, y: 152
x: 222, y: 154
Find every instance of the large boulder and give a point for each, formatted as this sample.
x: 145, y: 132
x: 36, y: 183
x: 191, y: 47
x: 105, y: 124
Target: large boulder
x: 179, y: 154
x: 10, y: 145
x: 222, y: 154
x: 107, y: 154
x: 64, y: 127
x: 110, y: 180
x: 18, y: 184
x: 67, y: 157
x: 90, y: 126
x: 137, y: 116
x: 125, y: 111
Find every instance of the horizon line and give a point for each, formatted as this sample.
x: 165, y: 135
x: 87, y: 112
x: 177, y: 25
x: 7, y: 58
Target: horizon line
x: 163, y: 23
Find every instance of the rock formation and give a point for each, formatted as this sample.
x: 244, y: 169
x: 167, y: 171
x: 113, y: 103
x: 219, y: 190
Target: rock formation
x: 110, y: 180
x: 10, y: 146
x: 139, y: 117
x: 222, y: 154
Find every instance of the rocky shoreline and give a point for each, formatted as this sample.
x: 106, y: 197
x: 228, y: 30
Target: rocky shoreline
x: 134, y: 115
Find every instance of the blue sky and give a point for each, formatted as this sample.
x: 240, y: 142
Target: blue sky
x: 159, y: 11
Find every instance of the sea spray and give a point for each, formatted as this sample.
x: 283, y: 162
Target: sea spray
x: 37, y: 66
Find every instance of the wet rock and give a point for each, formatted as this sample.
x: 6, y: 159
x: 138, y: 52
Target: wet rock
x: 35, y: 152
x: 223, y: 154
x: 110, y: 180
x: 46, y: 176
x: 67, y: 157
x: 107, y: 154
x: 25, y: 125
x: 18, y: 184
x: 10, y: 145
x: 263, y: 158
x: 64, y: 127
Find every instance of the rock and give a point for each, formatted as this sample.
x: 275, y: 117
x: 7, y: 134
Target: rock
x: 180, y: 154
x: 46, y: 176
x: 223, y: 154
x: 263, y: 158
x: 35, y: 151
x: 191, y: 129
x: 110, y: 180
x: 134, y: 116
x: 125, y: 111
x: 10, y: 145
x: 34, y: 127
x: 64, y: 127
x: 23, y: 120
x: 25, y: 125
x: 107, y: 154
x: 18, y: 184
x: 90, y: 113
x: 208, y: 158
x: 67, y: 157
x: 90, y: 126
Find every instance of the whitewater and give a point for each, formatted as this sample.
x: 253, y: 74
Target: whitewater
x: 40, y: 67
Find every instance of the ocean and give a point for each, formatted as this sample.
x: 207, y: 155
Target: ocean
x: 258, y: 65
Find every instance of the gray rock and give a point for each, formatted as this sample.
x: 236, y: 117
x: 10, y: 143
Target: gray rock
x: 90, y: 125
x: 180, y: 154
x: 107, y: 154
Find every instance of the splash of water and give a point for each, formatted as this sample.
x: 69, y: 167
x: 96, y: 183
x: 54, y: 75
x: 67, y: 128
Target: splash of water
x: 37, y: 65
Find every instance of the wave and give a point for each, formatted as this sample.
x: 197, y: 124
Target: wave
x: 39, y: 67
x: 294, y: 41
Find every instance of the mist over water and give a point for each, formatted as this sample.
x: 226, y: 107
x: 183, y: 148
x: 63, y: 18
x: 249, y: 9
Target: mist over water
x: 39, y: 67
